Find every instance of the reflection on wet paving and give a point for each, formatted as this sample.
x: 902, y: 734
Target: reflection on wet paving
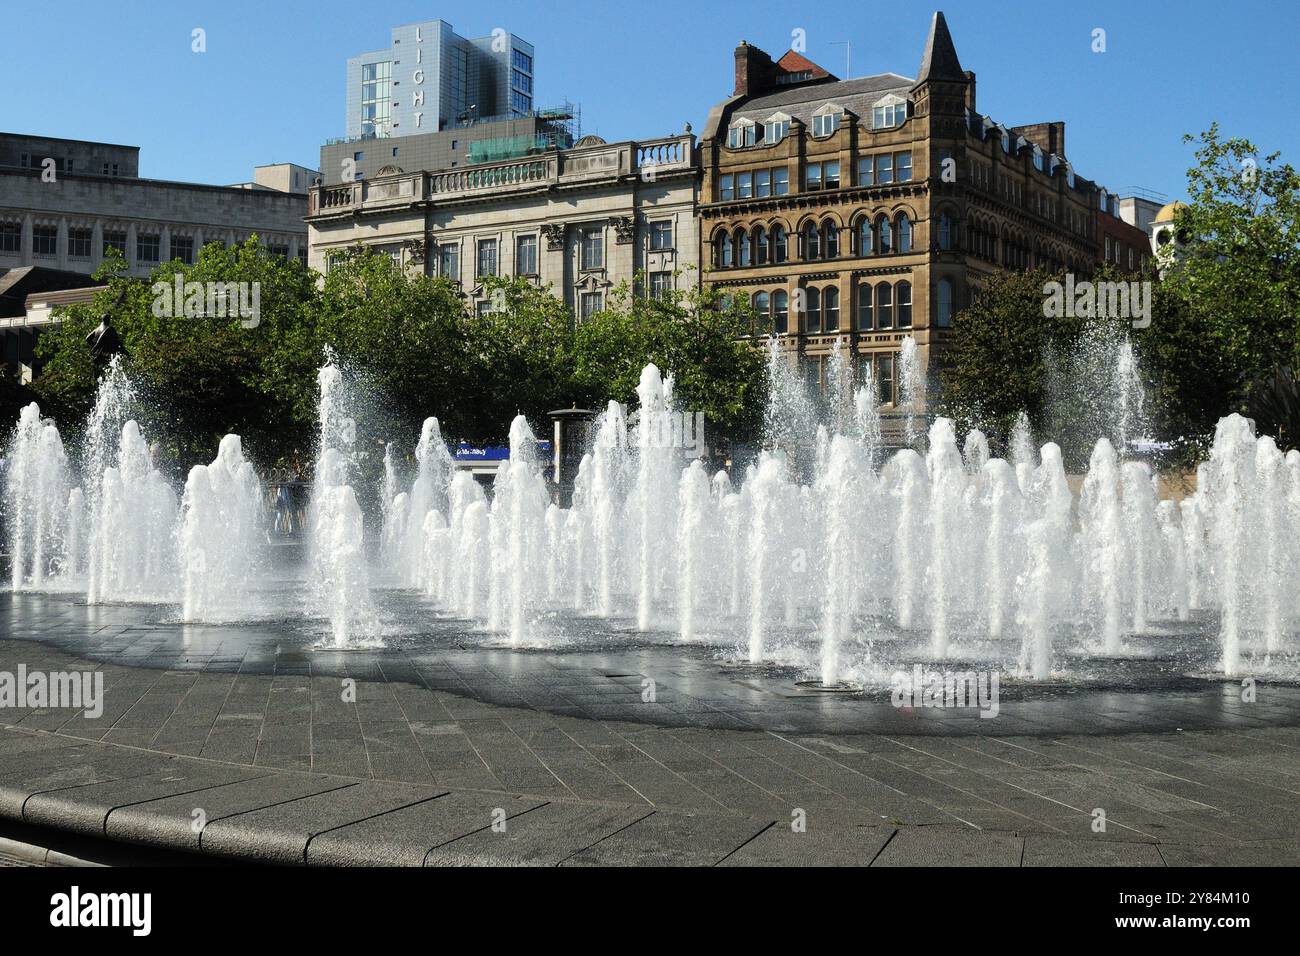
x: 604, y: 670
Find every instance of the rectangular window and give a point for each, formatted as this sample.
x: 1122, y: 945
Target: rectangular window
x: 661, y: 284
x: 45, y: 240
x: 147, y: 248
x: 780, y: 181
x: 183, y: 249
x: 521, y: 61
x: 867, y: 171
x: 79, y: 243
x: 884, y: 170
x: 11, y: 237
x: 763, y: 183
x: 813, y: 177
x: 449, y: 261
x: 885, y: 378
x: 902, y: 167
x: 592, y: 249
x: 745, y: 186
x: 526, y: 256
x: 115, y: 240
x: 589, y: 304
x: 661, y: 235
x: 487, y: 258
x: 831, y: 175
x: 726, y: 188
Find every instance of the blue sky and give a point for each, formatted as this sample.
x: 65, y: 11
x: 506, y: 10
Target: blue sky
x: 271, y: 86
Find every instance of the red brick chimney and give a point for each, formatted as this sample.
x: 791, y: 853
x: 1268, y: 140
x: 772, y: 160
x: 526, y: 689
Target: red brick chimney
x: 755, y: 71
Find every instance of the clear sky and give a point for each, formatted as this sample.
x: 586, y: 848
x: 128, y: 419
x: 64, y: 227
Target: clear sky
x: 270, y: 87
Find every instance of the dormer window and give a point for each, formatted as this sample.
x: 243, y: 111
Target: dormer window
x: 1038, y: 159
x: 889, y: 112
x: 742, y: 133
x: 827, y: 120
x: 775, y: 129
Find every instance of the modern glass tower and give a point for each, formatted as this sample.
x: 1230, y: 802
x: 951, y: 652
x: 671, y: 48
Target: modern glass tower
x: 430, y: 78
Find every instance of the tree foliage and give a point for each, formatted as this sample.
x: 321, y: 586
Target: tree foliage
x: 411, y: 340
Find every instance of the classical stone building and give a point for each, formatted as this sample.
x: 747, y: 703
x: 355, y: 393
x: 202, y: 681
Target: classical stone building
x: 872, y: 208
x: 581, y: 220
x: 64, y: 202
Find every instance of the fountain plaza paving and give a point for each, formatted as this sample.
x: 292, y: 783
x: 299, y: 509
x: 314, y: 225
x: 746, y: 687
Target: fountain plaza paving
x: 448, y: 735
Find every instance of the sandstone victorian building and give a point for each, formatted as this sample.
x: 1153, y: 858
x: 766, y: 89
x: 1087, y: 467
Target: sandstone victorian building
x: 873, y: 208
x: 581, y: 220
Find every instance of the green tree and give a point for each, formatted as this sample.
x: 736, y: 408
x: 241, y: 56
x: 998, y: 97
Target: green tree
x: 694, y: 335
x: 203, y: 369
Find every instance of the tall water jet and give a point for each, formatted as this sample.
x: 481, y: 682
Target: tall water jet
x: 947, y: 490
x: 1231, y: 474
x: 1102, y: 531
x: 608, y: 495
x: 339, y: 583
x: 221, y: 537
x: 1043, y: 585
x: 695, y: 533
x: 653, y: 496
x: 912, y: 388
x: 1268, y: 519
x: 1138, y: 502
x: 134, y: 553
x: 1024, y: 458
x: 1130, y: 396
x: 1002, y: 557
x: 975, y: 452
x: 844, y: 497
x: 519, y: 533
x: 428, y: 493
x: 764, y: 547
x: 37, y: 491
x: 909, y: 485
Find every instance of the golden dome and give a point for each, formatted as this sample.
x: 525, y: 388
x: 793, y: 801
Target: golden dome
x: 1168, y: 210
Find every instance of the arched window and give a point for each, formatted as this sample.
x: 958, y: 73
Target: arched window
x: 724, y: 251
x: 814, y: 320
x: 866, y: 237
x: 831, y: 239
x: 811, y: 242
x: 778, y: 244
x: 904, y: 305
x: 831, y: 309
x: 943, y: 313
x: 884, y: 236
x: 945, y: 231
x: 780, y: 311
x: 904, y: 228
x: 742, y: 248
x: 761, y: 248
x: 761, y: 320
x: 866, y: 319
x: 884, y: 306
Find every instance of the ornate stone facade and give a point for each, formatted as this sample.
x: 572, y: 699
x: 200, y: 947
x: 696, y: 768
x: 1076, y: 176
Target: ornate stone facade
x: 582, y: 220
x: 871, y: 209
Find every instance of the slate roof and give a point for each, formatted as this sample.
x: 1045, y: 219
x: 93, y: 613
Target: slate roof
x: 800, y: 102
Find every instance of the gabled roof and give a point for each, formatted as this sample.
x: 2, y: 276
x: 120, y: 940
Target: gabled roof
x: 794, y: 62
x: 857, y: 95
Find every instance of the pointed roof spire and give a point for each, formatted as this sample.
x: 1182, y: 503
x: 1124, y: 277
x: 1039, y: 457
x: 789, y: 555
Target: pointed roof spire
x: 939, y: 62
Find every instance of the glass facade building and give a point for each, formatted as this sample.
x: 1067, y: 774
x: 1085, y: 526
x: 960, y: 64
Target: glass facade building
x: 430, y: 79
